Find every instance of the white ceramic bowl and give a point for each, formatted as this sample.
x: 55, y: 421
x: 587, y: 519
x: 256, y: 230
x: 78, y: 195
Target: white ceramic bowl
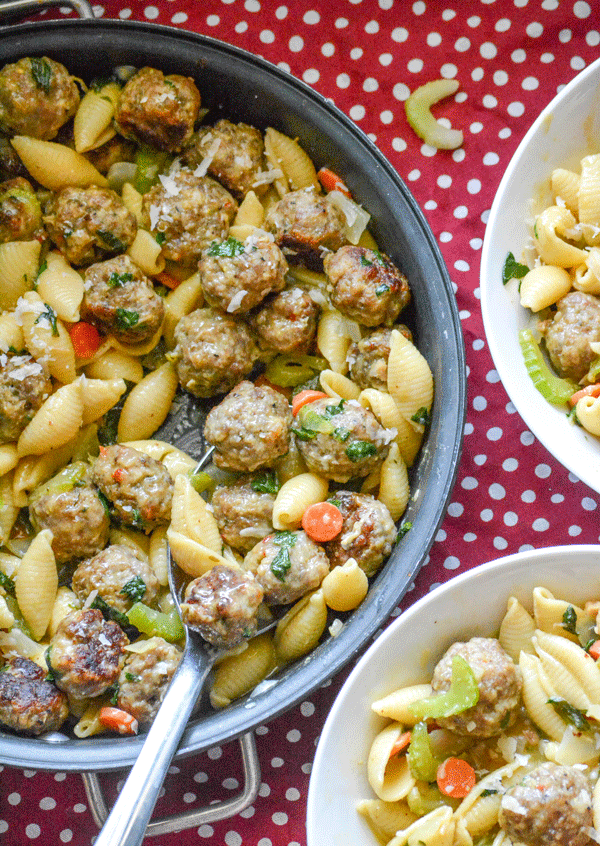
x: 471, y: 604
x: 567, y: 129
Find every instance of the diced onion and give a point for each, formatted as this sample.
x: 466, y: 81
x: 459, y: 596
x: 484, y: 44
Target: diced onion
x: 357, y: 218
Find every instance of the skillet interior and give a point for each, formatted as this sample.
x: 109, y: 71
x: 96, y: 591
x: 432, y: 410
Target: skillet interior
x: 240, y: 86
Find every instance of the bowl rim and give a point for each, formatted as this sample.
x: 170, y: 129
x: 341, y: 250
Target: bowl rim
x: 531, y: 405
x: 101, y: 754
x: 524, y: 561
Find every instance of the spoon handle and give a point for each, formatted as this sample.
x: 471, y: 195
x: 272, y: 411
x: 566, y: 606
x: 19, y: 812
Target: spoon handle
x: 127, y: 822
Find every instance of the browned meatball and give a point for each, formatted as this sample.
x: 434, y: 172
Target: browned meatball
x: 70, y: 506
x: 120, y: 299
x: 575, y: 324
x: 499, y: 681
x: 342, y: 441
x: 243, y: 513
x: 20, y: 212
x: 139, y: 487
x: 24, y: 385
x: 86, y: 654
x: 366, y: 285
x: 120, y: 577
x: 368, y: 358
x: 28, y: 701
x: 550, y: 806
x: 287, y: 565
x: 10, y: 163
x: 221, y: 605
x: 235, y: 152
x: 306, y: 225
x: 212, y: 353
x: 158, y: 110
x: 37, y: 96
x: 238, y: 276
x: 145, y: 678
x: 249, y: 428
x: 188, y: 212
x: 89, y: 224
x: 118, y: 149
x: 368, y: 532
x: 286, y: 322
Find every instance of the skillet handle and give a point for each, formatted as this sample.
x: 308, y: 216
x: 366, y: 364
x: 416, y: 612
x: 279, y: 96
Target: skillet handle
x: 214, y: 812
x: 21, y: 8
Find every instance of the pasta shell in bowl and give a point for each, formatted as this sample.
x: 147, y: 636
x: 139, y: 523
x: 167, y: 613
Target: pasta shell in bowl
x: 532, y: 615
x: 539, y: 266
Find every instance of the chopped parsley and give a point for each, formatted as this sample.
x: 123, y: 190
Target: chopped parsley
x: 489, y: 791
x: 110, y: 613
x: 105, y: 503
x: 404, y: 529
x: 127, y: 319
x: 131, y: 677
x: 43, y: 266
x: 382, y: 289
x: 226, y: 249
x: 52, y: 673
x: 111, y: 240
x: 113, y: 690
x: 117, y: 280
x: 336, y: 502
x: 41, y: 73
x: 340, y: 433
x: 265, y: 482
x: 282, y: 561
x: 422, y: 415
x: 7, y: 583
x: 135, y: 589
x: 50, y: 315
x: 107, y: 432
x: 570, y: 714
x: 359, y: 450
x: 365, y: 261
x: 513, y: 269
x: 569, y: 620
x: 160, y: 238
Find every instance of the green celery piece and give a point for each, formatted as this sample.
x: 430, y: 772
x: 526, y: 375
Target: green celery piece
x: 315, y: 422
x: 425, y: 798
x: 462, y: 694
x: 422, y: 762
x: 554, y: 389
x: 156, y: 623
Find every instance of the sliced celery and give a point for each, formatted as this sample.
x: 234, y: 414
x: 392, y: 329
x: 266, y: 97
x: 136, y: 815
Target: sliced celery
x: 554, y: 389
x: 462, y: 694
x: 421, y: 760
x: 155, y: 623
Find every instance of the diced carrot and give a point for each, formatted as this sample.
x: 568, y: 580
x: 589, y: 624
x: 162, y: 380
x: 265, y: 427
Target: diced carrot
x: 118, y: 720
x: 588, y: 391
x: 332, y: 182
x: 85, y: 338
x: 594, y: 650
x: 119, y: 474
x: 262, y: 380
x: 322, y: 521
x: 304, y: 397
x: 167, y: 279
x: 401, y: 743
x: 456, y: 778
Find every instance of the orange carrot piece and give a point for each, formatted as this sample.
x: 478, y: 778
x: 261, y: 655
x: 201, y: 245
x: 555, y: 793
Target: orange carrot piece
x: 118, y: 720
x: 594, y: 650
x: 322, y: 521
x: 588, y: 391
x: 262, y: 380
x: 456, y: 778
x: 401, y: 743
x: 85, y: 338
x: 304, y: 397
x: 167, y: 279
x: 332, y: 182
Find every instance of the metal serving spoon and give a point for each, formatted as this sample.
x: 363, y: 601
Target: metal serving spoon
x: 127, y: 822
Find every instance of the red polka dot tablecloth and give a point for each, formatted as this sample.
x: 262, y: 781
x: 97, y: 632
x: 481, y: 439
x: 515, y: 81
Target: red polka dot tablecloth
x: 510, y: 57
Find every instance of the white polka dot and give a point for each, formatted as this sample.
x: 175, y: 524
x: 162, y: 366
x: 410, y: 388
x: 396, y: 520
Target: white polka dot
x: 248, y: 813
x: 232, y: 838
x: 515, y: 109
x: 213, y: 20
x: 292, y: 794
x: 307, y: 709
x: 267, y: 36
x: 489, y: 101
x: 577, y: 63
x: 444, y: 181
x: 415, y: 65
x: 206, y: 831
x: 500, y: 77
x: 480, y: 403
x: 14, y: 798
x: 296, y: 43
x: 66, y: 835
x: 546, y: 58
x: 357, y: 112
x: 47, y: 803
x: 542, y: 471
x: 474, y: 186
x: 281, y: 13
x: 477, y: 74
x: 124, y: 14
x: 557, y: 498
x: 252, y: 6
x: 441, y: 535
x: 476, y: 127
x: 343, y: 80
x: 341, y: 23
x: 530, y: 83
x: 356, y: 53
x: 311, y: 76
x: 503, y: 25
x: 480, y: 460
x: 293, y: 736
x: 280, y: 818
x: 528, y: 496
x: 469, y: 483
x: 491, y: 159
x: 419, y: 8
x: 496, y: 491
x: 505, y: 133
x: 518, y: 56
x: 215, y: 754
x: 582, y: 10
x: 179, y: 18
x: 486, y: 515
x: 592, y: 38
x: 540, y: 525
x: 188, y: 798
x: 451, y: 563
x: 469, y: 537
x: 455, y: 509
x: 574, y: 531
x: 401, y: 91
x: 372, y: 27
x: 448, y: 14
x: 386, y: 59
x: 510, y: 465
x: 476, y: 244
x: 200, y: 778
x: 462, y: 45
x: 400, y: 34
x: 494, y: 434
x: 527, y: 438
x: 448, y: 71
x: 277, y: 762
x: 370, y: 84
x: 588, y: 504
x: 264, y: 790
x: 328, y: 50
x: 241, y: 27
x: 311, y: 17
x: 534, y: 30
x: 445, y: 237
x: 510, y: 518
x: 434, y: 39
x: 468, y: 429
x: 399, y: 145
x: 464, y: 315
x: 33, y: 831
x: 474, y: 21
x: 500, y: 543
x: 151, y: 12
x: 488, y: 50
x: 414, y: 175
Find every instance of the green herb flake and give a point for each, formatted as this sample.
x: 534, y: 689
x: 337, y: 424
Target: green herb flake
x: 404, y: 529
x: 160, y: 238
x: 569, y: 620
x: 365, y: 261
x: 135, y: 588
x: 341, y: 434
x: 229, y: 248
x: 7, y: 583
x: 513, y: 269
x: 127, y: 319
x: 110, y: 239
x: 131, y: 677
x: 265, y: 482
x: 113, y: 690
x: 488, y: 792
x: 41, y: 73
x: 422, y: 416
x: 105, y: 503
x: 117, y: 280
x: 570, y: 714
x: 50, y: 315
x: 110, y: 613
x: 382, y: 289
x: 336, y: 502
x: 282, y: 561
x: 360, y: 450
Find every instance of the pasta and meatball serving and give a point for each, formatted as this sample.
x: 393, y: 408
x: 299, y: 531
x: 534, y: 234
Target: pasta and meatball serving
x: 149, y: 256
x: 502, y: 746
